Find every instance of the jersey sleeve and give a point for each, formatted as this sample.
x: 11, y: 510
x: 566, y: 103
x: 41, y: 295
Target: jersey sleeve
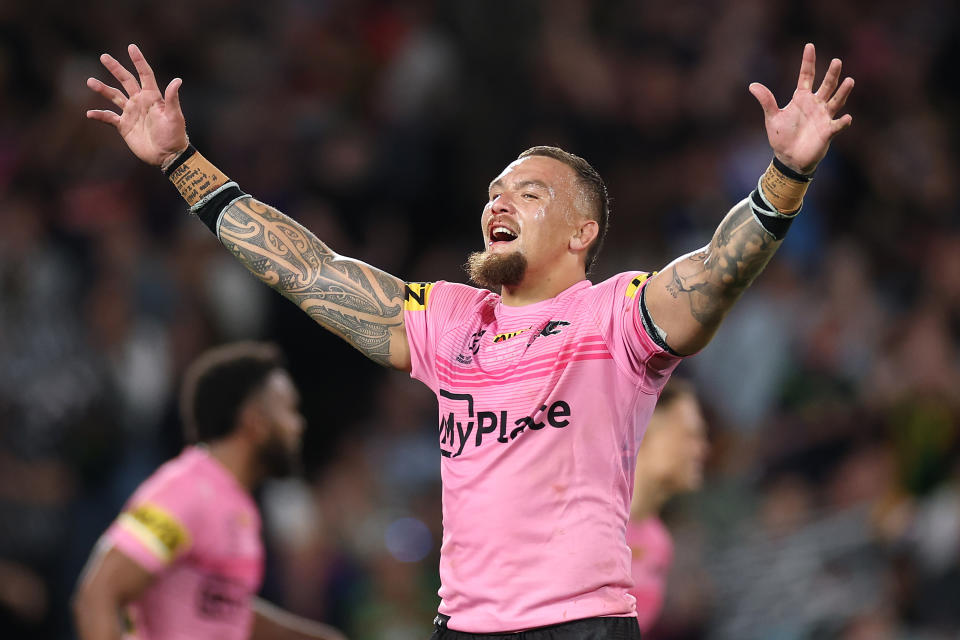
x: 430, y: 309
x: 157, y: 525
x: 620, y: 322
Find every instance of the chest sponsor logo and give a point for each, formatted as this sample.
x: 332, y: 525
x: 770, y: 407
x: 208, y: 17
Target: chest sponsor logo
x: 221, y: 598
x: 503, y: 337
x: 465, y: 426
x: 550, y: 328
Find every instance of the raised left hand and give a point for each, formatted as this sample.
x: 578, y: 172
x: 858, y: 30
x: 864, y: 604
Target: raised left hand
x: 801, y: 132
x: 150, y: 122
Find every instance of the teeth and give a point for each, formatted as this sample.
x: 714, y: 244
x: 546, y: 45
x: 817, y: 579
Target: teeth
x: 497, y: 230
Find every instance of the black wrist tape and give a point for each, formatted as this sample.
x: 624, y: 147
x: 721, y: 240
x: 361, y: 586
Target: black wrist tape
x: 790, y: 173
x: 775, y: 223
x: 209, y: 211
x: 183, y: 157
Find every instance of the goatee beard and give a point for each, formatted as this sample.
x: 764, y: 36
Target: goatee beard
x: 278, y: 460
x: 495, y: 270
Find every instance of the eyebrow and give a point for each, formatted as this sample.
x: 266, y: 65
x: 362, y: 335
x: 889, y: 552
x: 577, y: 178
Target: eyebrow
x: 520, y: 185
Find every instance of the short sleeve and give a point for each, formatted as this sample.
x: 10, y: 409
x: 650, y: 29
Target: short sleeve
x: 430, y: 309
x: 154, y: 527
x: 619, y: 318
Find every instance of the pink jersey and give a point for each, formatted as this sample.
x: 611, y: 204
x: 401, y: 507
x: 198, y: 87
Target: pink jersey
x: 652, y: 551
x: 542, y: 409
x: 197, y: 530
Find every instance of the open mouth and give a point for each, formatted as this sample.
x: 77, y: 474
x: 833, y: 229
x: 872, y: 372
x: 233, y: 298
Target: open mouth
x: 501, y: 235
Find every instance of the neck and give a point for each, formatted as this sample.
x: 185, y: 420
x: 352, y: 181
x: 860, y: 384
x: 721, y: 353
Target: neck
x: 238, y: 459
x: 535, y: 289
x: 648, y: 497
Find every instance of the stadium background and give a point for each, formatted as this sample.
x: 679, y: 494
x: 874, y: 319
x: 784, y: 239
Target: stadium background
x: 832, y: 502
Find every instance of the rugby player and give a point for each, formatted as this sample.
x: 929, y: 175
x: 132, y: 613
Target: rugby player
x: 670, y: 462
x: 545, y: 380
x: 184, y: 559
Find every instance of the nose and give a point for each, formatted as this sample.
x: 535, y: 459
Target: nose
x: 503, y: 204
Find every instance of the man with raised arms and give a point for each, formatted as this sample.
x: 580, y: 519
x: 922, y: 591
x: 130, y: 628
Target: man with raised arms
x: 545, y: 381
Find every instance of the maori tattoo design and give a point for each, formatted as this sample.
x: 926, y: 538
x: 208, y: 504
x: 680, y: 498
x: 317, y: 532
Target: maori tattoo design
x: 714, y: 277
x: 357, y: 302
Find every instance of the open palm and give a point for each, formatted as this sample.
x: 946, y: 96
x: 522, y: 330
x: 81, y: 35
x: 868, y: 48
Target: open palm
x: 151, y: 123
x: 801, y: 132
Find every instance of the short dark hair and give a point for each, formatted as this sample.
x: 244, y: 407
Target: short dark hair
x: 218, y: 382
x: 591, y: 182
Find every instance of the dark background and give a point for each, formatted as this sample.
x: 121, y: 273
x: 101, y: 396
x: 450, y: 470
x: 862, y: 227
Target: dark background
x: 832, y: 502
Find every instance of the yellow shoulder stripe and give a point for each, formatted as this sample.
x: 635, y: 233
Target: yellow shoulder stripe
x: 417, y: 296
x: 635, y: 284
x: 158, y: 530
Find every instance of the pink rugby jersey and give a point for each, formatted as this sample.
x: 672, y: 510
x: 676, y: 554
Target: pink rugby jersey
x: 197, y: 530
x: 651, y: 550
x: 542, y: 409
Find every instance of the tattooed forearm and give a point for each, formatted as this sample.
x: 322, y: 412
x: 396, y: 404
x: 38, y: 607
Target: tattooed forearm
x: 357, y: 302
x: 712, y: 278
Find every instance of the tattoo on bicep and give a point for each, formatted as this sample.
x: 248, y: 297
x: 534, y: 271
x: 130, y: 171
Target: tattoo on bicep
x: 361, y: 304
x: 715, y: 276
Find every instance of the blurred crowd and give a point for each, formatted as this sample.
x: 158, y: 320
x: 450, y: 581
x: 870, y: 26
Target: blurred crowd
x: 832, y: 502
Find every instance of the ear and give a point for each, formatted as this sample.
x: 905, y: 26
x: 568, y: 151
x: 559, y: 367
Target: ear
x: 584, y: 235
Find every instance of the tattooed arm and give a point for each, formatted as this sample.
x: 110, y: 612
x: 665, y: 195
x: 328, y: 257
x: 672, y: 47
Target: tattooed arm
x: 362, y: 305
x: 357, y: 302
x: 689, y: 298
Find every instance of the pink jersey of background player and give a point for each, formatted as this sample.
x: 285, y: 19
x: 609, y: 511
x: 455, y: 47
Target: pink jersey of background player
x: 542, y: 409
x: 198, y: 530
x: 651, y: 554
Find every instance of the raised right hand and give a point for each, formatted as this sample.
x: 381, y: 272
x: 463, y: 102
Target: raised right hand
x: 151, y: 124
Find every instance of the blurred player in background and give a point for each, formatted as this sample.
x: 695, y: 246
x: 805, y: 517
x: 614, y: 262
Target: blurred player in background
x: 184, y: 559
x: 670, y: 461
x: 545, y: 380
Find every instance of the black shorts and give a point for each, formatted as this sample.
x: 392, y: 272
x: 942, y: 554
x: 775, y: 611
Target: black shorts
x: 587, y: 629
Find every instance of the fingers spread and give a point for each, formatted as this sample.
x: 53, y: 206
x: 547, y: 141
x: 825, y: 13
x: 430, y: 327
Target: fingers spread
x: 829, y: 83
x: 838, y: 125
x: 104, y: 116
x: 124, y: 77
x: 147, y: 79
x: 112, y: 94
x: 840, y: 97
x: 172, y: 95
x: 808, y: 68
x: 767, y: 102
